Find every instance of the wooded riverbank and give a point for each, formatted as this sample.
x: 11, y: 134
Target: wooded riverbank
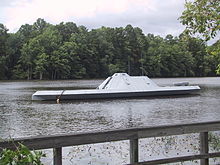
x: 68, y: 51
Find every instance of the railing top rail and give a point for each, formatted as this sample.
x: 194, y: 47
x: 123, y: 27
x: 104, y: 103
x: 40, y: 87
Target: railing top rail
x: 63, y: 140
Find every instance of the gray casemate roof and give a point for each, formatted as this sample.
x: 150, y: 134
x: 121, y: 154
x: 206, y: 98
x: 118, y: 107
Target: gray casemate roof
x: 122, y: 81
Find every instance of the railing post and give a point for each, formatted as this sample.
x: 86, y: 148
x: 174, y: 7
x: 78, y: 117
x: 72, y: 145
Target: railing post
x: 204, y: 147
x: 57, y: 156
x: 133, y: 150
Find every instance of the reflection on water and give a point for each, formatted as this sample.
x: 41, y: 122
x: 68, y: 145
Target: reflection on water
x: 20, y: 117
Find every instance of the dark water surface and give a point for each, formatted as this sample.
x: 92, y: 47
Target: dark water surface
x: 21, y: 117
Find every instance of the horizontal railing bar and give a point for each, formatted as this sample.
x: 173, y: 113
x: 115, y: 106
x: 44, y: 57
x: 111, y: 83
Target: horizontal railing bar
x: 64, y: 140
x: 178, y: 159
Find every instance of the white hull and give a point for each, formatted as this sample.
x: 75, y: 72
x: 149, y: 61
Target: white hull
x: 120, y: 85
x: 106, y: 94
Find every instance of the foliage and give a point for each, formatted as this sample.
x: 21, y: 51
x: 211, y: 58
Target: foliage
x: 214, y: 141
x: 3, y: 51
x: 68, y: 51
x: 41, y: 64
x: 214, y: 51
x: 218, y: 69
x: 202, y: 16
x: 21, y: 156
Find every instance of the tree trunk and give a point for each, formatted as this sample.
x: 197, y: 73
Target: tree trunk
x: 28, y: 73
x: 41, y: 75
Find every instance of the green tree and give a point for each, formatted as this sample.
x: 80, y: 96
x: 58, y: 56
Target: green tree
x: 202, y: 16
x: 29, y: 52
x: 186, y: 61
x: 153, y: 58
x: 214, y: 56
x: 3, y: 67
x: 15, y: 43
x: 3, y: 38
x: 40, y: 49
x: 39, y: 26
x: 59, y: 63
x: 49, y: 42
x: 3, y: 51
x: 64, y: 51
x: 134, y: 46
x: 198, y: 49
x: 41, y: 63
x: 73, y: 66
x: 66, y: 30
x: 113, y: 68
x: 102, y: 46
x: 86, y: 51
x: 119, y: 57
x: 26, y: 31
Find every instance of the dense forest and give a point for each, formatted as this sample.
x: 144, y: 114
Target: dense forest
x: 68, y: 51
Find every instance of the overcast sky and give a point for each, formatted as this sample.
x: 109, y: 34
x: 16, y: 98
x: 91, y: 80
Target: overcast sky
x: 152, y: 16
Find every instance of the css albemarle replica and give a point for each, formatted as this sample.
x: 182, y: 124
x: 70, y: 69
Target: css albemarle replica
x: 120, y: 85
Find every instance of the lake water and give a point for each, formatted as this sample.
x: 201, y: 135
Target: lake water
x: 21, y: 117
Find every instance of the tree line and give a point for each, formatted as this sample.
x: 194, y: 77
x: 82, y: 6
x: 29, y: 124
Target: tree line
x: 68, y: 51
